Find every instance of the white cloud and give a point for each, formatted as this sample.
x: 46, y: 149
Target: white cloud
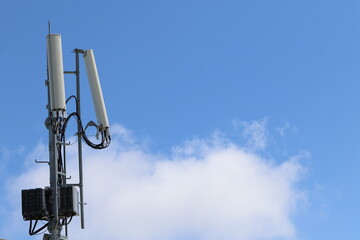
x: 285, y: 128
x: 208, y: 189
x: 254, y: 132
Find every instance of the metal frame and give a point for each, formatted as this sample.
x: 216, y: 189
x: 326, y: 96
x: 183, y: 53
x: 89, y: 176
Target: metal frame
x: 58, y: 178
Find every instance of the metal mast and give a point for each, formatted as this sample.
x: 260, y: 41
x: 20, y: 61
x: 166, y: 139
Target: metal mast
x: 59, y: 203
x: 58, y: 176
x: 54, y: 226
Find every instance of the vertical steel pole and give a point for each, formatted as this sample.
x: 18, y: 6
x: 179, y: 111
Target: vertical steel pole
x: 54, y: 226
x: 78, y: 111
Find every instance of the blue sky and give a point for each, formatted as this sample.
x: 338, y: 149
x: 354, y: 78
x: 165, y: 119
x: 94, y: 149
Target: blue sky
x: 175, y: 71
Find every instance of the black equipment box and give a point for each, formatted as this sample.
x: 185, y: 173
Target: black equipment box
x: 69, y: 201
x: 34, y: 204
x: 37, y: 203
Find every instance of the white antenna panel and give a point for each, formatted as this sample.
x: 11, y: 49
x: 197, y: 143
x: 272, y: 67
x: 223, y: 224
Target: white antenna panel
x: 96, y: 91
x: 56, y: 72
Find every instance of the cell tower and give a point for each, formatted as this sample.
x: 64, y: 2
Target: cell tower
x: 58, y: 203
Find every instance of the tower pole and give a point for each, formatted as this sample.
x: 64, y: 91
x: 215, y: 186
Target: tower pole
x: 79, y: 134
x: 54, y: 226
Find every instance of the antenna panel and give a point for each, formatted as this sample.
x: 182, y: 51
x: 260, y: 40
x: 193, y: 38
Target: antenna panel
x: 96, y: 91
x: 56, y: 72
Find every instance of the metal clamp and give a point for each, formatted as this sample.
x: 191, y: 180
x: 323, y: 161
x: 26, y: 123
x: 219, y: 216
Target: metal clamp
x: 65, y: 143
